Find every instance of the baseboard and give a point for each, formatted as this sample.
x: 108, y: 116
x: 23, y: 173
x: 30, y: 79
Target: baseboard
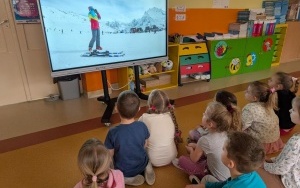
x: 98, y: 93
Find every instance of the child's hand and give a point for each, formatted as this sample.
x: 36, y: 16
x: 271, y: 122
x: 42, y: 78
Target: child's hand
x: 189, y: 149
x: 193, y: 145
x: 268, y: 160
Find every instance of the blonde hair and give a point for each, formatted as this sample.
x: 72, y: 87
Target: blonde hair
x: 94, y: 160
x: 264, y: 94
x: 226, y: 119
x: 158, y: 102
x: 287, y: 81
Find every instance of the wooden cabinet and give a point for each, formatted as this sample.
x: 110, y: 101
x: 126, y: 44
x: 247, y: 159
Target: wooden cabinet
x: 238, y: 56
x: 280, y: 32
x: 193, y: 60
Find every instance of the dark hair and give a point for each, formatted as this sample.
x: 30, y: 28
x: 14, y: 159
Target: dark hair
x: 229, y: 100
x: 246, y: 151
x: 264, y: 94
x: 226, y: 98
x: 286, y: 81
x: 128, y: 104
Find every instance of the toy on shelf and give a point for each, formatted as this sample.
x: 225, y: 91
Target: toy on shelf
x: 131, y: 78
x: 152, y: 68
x: 144, y: 69
x: 167, y: 65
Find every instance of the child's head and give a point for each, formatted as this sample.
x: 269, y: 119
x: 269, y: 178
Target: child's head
x: 242, y: 152
x: 128, y: 104
x: 94, y: 162
x: 260, y: 92
x: 220, y: 118
x: 283, y: 81
x: 295, y: 111
x: 226, y: 98
x: 158, y: 102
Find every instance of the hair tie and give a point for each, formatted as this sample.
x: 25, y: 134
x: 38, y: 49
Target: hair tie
x: 294, y: 79
x: 170, y: 105
x: 229, y: 108
x: 272, y: 90
x: 152, y: 108
x: 94, y: 178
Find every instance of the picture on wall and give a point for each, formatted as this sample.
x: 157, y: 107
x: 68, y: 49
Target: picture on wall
x: 26, y: 11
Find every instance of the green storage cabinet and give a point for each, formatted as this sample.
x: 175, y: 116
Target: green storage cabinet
x: 252, y: 54
x: 266, y: 56
x: 224, y: 49
x: 226, y: 67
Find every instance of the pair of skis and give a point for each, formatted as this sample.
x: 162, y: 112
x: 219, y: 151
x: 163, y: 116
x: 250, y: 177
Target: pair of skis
x: 97, y: 53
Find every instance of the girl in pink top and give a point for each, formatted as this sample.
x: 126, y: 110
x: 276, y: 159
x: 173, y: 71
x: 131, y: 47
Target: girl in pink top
x: 95, y: 163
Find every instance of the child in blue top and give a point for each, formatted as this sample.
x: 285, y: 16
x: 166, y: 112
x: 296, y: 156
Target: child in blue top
x: 282, y: 83
x: 242, y: 154
x: 127, y: 142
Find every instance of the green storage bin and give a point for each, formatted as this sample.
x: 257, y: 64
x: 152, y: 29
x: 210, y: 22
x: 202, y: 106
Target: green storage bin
x: 194, y: 59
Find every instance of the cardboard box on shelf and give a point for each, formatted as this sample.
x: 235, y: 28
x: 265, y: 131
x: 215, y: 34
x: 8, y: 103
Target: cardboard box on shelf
x: 163, y: 79
x: 151, y: 81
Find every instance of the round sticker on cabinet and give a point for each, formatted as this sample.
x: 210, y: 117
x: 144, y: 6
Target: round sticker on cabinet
x: 267, y: 44
x: 250, y: 59
x: 234, y: 65
x: 220, y: 49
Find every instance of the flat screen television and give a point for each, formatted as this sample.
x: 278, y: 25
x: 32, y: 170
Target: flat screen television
x: 131, y: 32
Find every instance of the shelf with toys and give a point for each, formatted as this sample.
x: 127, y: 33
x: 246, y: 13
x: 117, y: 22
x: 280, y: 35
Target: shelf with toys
x: 161, y: 75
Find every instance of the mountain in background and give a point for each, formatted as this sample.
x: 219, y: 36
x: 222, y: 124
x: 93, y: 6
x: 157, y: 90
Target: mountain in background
x: 152, y: 20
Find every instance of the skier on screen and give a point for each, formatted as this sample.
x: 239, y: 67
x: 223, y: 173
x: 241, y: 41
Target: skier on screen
x: 94, y: 16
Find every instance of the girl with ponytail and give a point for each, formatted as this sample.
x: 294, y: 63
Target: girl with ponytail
x: 259, y: 118
x: 95, y: 164
x: 161, y: 122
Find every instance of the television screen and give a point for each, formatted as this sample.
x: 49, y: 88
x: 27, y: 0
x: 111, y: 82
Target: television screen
x: 90, y: 35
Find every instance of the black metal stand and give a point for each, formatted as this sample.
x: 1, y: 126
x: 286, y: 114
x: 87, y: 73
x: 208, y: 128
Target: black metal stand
x: 111, y: 102
x: 107, y: 100
x: 138, y: 83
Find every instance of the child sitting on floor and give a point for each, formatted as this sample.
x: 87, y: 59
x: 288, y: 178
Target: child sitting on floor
x: 282, y: 83
x: 127, y: 142
x: 217, y: 119
x: 285, y: 167
x: 160, y: 122
x: 227, y: 99
x: 95, y: 163
x: 242, y: 161
x: 259, y: 118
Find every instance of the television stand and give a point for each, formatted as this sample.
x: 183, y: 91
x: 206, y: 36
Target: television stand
x: 110, y: 102
x: 107, y: 100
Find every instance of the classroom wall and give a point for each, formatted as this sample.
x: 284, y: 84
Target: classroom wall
x: 35, y: 82
x: 233, y: 4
